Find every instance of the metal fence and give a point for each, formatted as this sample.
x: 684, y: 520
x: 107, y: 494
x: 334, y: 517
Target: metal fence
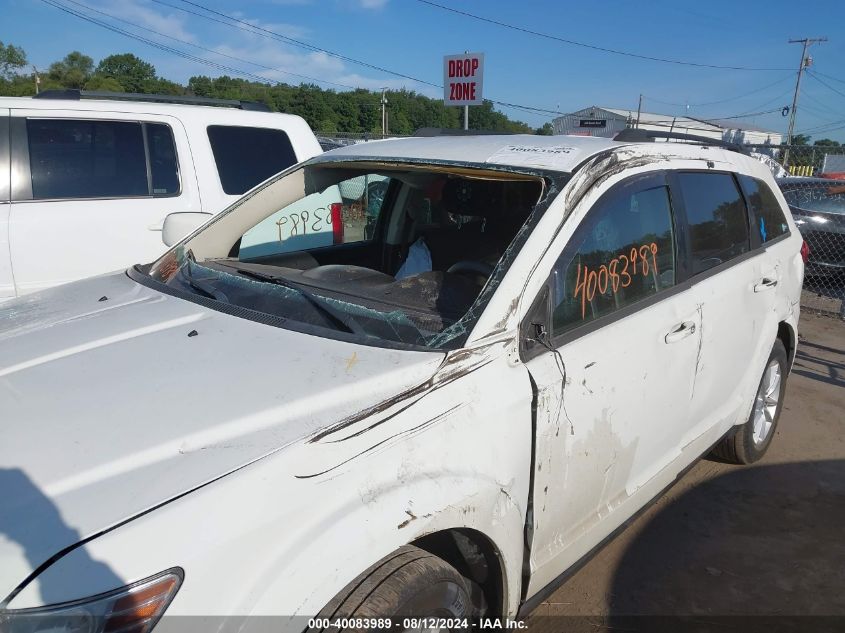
x: 812, y: 178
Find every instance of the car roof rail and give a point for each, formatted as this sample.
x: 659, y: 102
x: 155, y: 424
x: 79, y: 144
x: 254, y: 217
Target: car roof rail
x: 451, y: 131
x: 77, y: 95
x: 632, y: 135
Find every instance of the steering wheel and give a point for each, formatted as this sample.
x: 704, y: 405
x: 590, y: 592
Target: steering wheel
x: 471, y: 267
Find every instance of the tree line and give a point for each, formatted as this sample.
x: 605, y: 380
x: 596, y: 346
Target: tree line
x: 327, y: 111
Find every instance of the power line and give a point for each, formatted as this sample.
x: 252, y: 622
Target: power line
x: 231, y: 69
x: 709, y: 103
x: 830, y: 77
x: 158, y: 45
x: 584, y: 45
x: 825, y: 84
x: 253, y: 28
x: 821, y: 129
x: 209, y: 50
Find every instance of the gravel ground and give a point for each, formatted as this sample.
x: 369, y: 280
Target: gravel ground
x: 761, y: 540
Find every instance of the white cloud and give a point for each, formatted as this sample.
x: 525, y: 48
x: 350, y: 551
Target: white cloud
x: 373, y: 4
x: 172, y: 24
x: 275, y: 59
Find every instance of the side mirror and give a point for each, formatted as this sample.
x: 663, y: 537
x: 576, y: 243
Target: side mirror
x: 178, y: 225
x: 534, y: 332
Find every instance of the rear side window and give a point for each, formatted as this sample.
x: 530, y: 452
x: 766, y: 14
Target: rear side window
x: 164, y: 167
x: 766, y: 214
x: 100, y: 159
x: 246, y: 156
x: 717, y: 218
x: 623, y: 253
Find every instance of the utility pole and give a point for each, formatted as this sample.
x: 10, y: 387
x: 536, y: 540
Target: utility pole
x: 383, y: 113
x: 805, y: 63
x: 37, y: 79
x: 639, y: 109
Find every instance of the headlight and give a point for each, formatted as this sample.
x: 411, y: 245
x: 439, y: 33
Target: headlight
x: 132, y: 609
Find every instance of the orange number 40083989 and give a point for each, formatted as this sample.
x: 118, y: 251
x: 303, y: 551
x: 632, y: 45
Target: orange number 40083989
x: 617, y: 273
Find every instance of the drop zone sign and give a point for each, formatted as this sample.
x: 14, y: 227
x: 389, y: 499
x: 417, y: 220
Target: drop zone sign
x: 463, y: 77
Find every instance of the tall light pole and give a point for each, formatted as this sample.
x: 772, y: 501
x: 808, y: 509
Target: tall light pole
x: 805, y: 62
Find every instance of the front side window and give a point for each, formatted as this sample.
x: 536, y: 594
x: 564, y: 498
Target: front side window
x: 623, y: 252
x: 718, y: 223
x: 344, y: 213
x: 246, y: 156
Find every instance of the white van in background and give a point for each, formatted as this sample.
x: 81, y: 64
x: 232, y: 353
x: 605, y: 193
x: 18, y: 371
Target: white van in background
x: 88, y: 179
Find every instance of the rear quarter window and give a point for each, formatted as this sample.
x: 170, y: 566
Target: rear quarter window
x: 246, y: 156
x: 767, y: 217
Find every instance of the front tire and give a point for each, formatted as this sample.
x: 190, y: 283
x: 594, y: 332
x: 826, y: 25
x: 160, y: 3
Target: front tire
x: 749, y: 442
x: 410, y: 583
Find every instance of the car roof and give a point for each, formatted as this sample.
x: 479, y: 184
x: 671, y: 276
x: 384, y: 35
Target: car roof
x: 555, y: 153
x: 203, y: 113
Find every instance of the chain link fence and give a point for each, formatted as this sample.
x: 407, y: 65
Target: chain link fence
x: 812, y: 179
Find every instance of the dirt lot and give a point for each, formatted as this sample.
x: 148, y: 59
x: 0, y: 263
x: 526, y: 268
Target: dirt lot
x: 727, y: 540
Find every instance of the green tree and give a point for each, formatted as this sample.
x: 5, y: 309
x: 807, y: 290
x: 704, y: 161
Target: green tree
x: 73, y: 71
x: 12, y: 59
x: 800, y: 139
x: 105, y: 84
x: 133, y: 73
x: 826, y: 142
x: 546, y: 130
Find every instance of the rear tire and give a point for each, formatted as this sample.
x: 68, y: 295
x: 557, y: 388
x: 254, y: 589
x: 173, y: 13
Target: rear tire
x: 749, y: 442
x: 410, y: 583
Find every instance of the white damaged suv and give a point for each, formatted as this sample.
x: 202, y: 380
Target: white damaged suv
x: 311, y: 434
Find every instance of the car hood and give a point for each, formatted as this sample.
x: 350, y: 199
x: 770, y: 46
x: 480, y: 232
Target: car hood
x: 115, y: 398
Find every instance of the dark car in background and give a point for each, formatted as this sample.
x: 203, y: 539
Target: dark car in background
x: 818, y: 206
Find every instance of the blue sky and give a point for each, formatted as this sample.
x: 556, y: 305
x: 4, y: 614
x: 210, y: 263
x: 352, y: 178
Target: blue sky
x: 410, y: 37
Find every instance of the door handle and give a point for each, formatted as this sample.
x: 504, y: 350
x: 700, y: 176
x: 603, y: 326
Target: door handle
x: 766, y: 283
x: 680, y: 331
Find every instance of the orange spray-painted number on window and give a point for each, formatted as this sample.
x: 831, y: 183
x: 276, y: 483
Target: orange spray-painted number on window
x: 617, y: 273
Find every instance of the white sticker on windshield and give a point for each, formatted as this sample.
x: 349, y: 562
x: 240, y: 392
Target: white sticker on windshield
x: 554, y: 157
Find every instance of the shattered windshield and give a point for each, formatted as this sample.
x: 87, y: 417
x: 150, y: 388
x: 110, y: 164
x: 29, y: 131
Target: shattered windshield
x: 395, y: 254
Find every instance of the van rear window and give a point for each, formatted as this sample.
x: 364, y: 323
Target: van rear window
x: 246, y: 156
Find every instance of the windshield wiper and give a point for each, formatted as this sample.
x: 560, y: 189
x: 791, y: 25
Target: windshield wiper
x: 202, y: 285
x: 338, y: 318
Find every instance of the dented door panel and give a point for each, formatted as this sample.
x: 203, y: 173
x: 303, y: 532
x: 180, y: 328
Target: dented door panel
x: 612, y: 407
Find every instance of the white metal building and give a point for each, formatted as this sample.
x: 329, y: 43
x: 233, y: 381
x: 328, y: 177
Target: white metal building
x: 607, y: 122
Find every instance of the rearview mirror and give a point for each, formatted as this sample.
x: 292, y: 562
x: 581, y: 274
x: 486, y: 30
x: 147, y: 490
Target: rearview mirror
x: 178, y: 225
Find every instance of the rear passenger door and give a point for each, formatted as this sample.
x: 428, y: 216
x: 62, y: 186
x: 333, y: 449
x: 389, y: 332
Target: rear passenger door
x: 734, y: 283
x: 7, y: 282
x: 90, y: 191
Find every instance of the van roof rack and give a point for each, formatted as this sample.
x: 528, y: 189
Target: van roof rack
x: 451, y: 131
x: 632, y: 135
x: 77, y: 95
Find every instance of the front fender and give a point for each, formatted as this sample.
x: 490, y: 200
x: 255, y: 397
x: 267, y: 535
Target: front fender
x: 283, y: 535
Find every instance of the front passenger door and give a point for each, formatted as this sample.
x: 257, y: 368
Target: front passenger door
x: 613, y: 377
